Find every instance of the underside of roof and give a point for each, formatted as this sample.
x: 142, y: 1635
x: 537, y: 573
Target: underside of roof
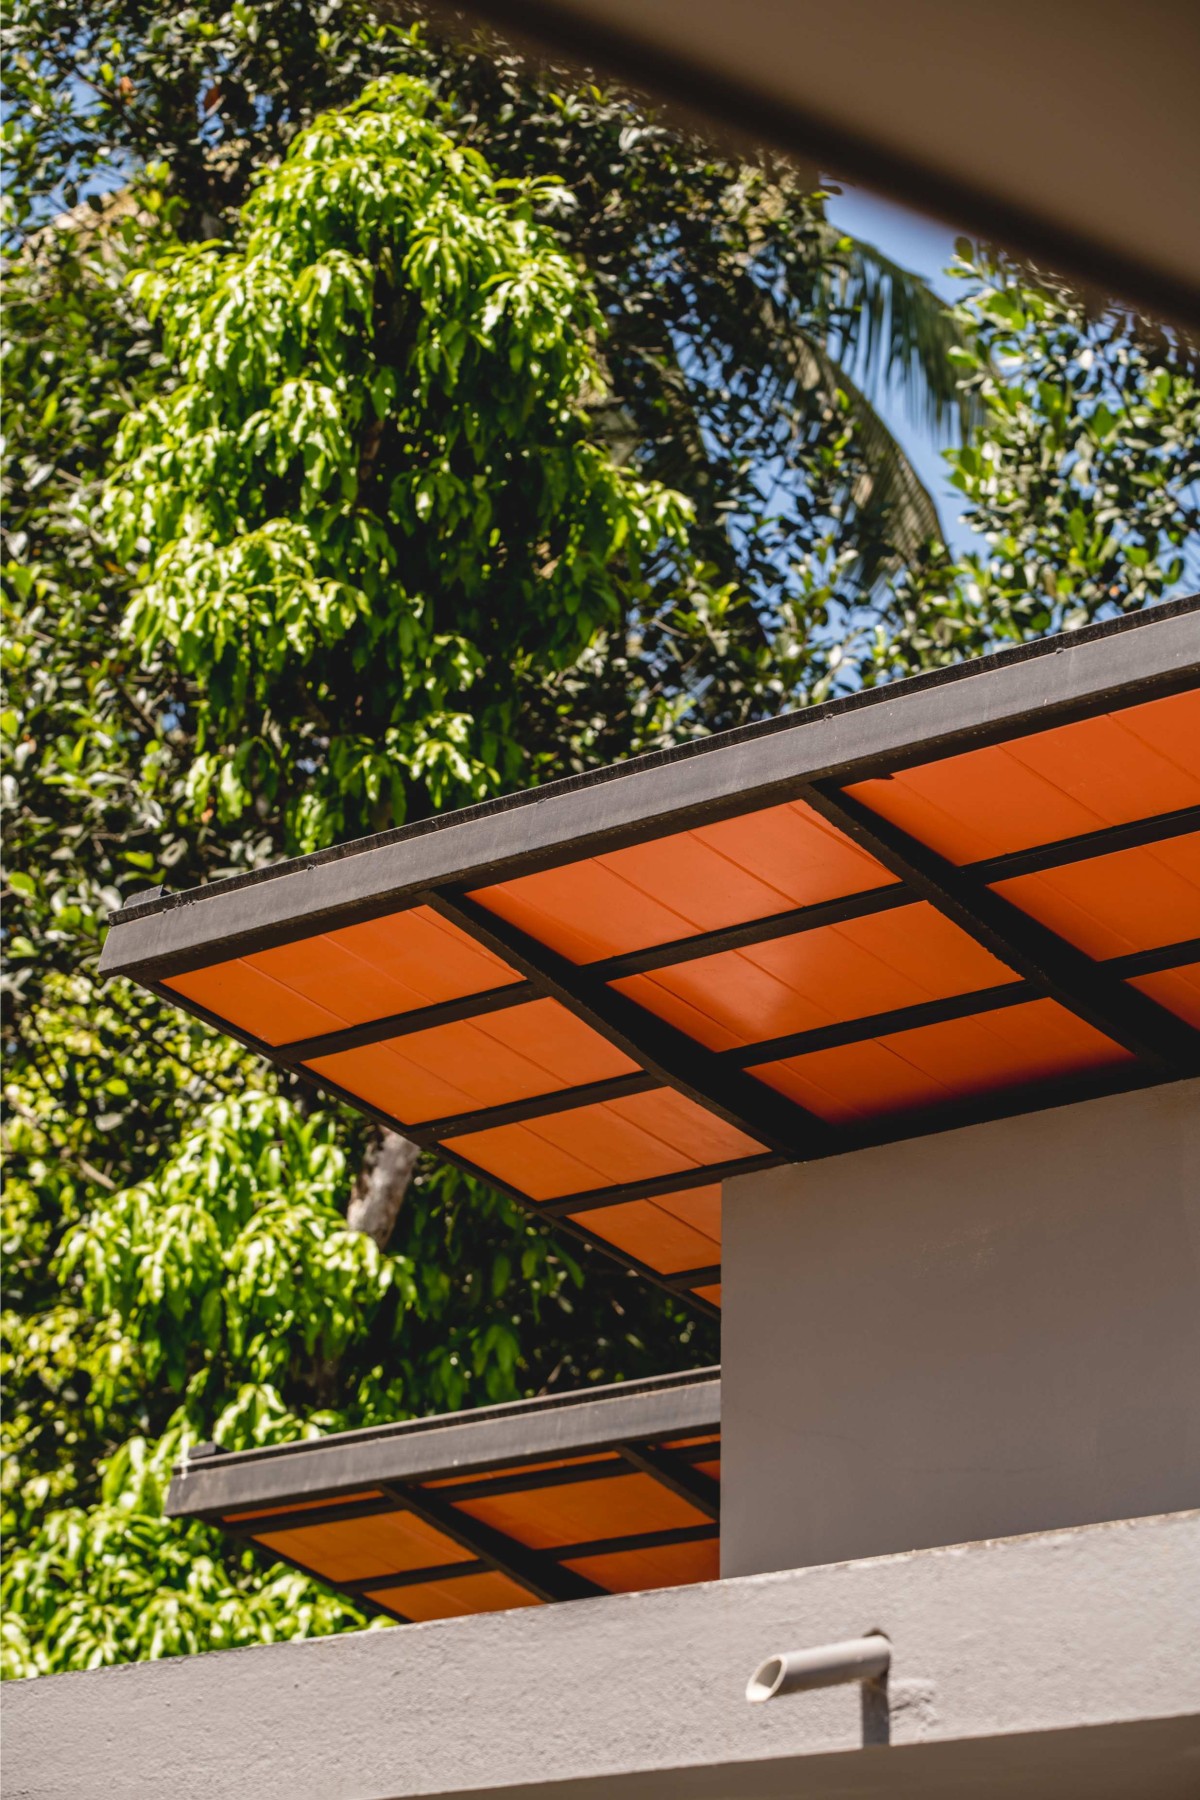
x: 966, y: 895
x: 1069, y: 135
x: 596, y: 1492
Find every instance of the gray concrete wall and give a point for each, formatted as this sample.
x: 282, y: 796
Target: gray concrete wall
x: 991, y: 1331
x: 1041, y: 1667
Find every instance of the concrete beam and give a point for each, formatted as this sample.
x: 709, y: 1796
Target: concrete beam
x: 1060, y: 1663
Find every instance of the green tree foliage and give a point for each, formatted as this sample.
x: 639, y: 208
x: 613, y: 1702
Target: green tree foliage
x: 371, y: 507
x: 305, y: 344
x: 1084, y: 480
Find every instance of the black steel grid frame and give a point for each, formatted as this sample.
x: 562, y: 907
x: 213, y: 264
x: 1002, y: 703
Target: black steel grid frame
x: 603, y: 1433
x: 812, y: 756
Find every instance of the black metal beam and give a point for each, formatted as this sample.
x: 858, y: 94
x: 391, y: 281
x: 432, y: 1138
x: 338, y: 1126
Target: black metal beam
x: 402, y: 1578
x: 709, y: 1175
x: 635, y: 1540
x: 1054, y: 967
x: 1154, y: 962
x: 531, y: 1569
x: 1106, y: 840
x: 678, y: 1476
x: 538, y: 1106
x: 395, y: 1025
x: 676, y: 1060
x: 900, y: 1018
x: 796, y: 919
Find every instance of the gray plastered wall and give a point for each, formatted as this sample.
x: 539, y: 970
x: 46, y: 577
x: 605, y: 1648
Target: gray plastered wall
x: 990, y: 1331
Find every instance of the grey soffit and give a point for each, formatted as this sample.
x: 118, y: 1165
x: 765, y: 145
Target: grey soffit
x: 969, y: 894
x: 565, y: 1497
x: 1038, y: 136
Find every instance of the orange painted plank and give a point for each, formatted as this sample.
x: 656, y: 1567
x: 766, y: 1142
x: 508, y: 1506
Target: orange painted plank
x: 356, y: 1549
x: 580, y: 1511
x: 642, y: 1229
x: 909, y: 1070
x: 253, y: 1002
x: 674, y: 886
x: 699, y: 1207
x: 657, y: 1133
x: 670, y: 1565
x: 536, y: 1049
x: 815, y: 978
x: 1110, y: 905
x: 1176, y: 989
x: 321, y: 983
x: 454, y: 1598
x: 1053, y: 784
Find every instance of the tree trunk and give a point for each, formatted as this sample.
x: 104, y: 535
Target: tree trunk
x: 381, y: 1186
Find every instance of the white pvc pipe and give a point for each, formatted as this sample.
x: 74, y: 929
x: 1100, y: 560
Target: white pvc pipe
x: 795, y: 1671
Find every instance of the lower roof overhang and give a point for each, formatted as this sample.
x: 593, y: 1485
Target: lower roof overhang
x: 1061, y: 1663
x: 565, y: 1497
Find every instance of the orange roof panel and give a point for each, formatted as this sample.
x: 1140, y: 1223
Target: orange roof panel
x: 454, y: 1597
x: 356, y: 1549
x: 650, y: 1233
x: 1176, y: 989
x: 1111, y: 905
x: 347, y: 977
x: 539, y: 1048
x: 665, y: 1565
x: 687, y: 882
x: 584, y: 1511
x: 935, y: 1064
x: 1050, y: 784
x: 615, y: 1141
x: 813, y: 978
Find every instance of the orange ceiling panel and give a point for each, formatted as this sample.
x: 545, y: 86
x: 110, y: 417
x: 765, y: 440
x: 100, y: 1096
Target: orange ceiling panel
x: 912, y: 1070
x: 1049, y: 785
x: 455, y: 1597
x: 347, y: 977
x: 711, y: 1293
x: 675, y: 886
x: 615, y: 1141
x: 356, y: 1549
x: 1111, y: 905
x: 1176, y: 989
x: 667, y: 1565
x: 584, y: 1511
x: 650, y: 1233
x: 538, y: 1048
x: 822, y: 977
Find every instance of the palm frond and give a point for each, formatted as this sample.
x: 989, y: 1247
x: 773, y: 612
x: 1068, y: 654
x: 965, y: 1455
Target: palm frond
x: 892, y: 332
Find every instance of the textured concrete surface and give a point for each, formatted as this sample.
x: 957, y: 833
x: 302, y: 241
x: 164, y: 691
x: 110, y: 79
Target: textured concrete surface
x: 1060, y: 1664
x: 990, y: 1331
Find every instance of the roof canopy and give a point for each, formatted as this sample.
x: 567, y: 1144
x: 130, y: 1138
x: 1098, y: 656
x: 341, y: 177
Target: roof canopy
x: 966, y: 895
x: 598, y: 1492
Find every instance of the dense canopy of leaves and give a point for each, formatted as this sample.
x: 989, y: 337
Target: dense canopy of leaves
x: 363, y: 462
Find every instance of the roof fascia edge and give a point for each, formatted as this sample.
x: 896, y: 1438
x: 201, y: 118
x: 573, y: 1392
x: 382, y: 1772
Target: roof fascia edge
x: 1006, y: 699
x: 326, y: 1467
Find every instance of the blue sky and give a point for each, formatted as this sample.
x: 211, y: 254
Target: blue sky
x: 926, y: 247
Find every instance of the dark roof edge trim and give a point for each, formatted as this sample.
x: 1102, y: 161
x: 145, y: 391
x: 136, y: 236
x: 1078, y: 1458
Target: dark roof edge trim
x: 418, y: 1450
x: 1033, y: 687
